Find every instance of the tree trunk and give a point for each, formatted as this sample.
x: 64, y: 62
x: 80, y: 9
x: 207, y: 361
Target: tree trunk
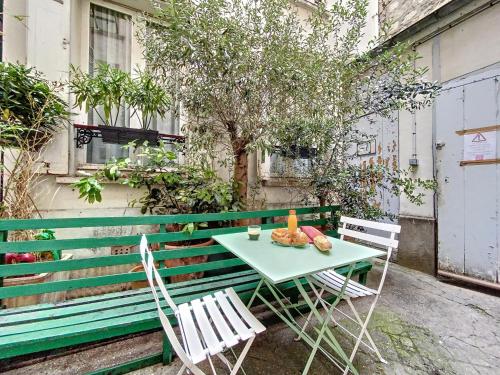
x: 241, y: 175
x: 322, y: 215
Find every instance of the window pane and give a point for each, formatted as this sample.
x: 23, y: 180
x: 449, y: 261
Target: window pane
x: 167, y: 125
x: 109, y: 42
x: 286, y: 167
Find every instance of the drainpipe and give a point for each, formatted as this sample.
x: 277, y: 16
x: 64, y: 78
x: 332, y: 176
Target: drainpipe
x: 436, y: 76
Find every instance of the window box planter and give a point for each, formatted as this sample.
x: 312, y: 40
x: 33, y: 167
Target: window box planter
x: 84, y: 134
x: 123, y: 136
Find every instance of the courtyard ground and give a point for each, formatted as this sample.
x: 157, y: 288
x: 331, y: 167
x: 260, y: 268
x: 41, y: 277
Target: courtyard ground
x: 422, y: 326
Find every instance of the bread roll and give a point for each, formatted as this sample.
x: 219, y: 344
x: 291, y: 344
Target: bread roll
x: 322, y: 243
x: 282, y: 236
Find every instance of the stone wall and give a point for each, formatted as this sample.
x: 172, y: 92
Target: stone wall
x: 404, y: 13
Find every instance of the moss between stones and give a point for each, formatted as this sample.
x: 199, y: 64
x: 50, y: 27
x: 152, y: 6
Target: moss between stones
x: 408, y: 348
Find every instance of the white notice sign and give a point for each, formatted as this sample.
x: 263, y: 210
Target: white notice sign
x: 480, y: 146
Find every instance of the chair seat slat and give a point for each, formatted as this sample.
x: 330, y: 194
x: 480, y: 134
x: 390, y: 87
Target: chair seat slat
x: 334, y: 286
x: 222, y: 327
x: 353, y: 285
x: 212, y: 342
x: 251, y: 320
x: 353, y: 289
x: 233, y: 317
x: 194, y: 347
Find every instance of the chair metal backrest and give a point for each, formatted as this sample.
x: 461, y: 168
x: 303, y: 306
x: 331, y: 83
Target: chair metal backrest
x: 390, y: 242
x: 153, y: 276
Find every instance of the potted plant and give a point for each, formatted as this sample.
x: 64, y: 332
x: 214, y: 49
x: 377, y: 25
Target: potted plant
x: 170, y: 188
x: 112, y: 93
x: 43, y: 256
x: 32, y: 112
x: 148, y: 101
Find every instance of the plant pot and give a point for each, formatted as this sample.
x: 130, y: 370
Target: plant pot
x: 175, y: 263
x: 170, y: 263
x: 123, y: 136
x: 36, y: 279
x: 138, y: 284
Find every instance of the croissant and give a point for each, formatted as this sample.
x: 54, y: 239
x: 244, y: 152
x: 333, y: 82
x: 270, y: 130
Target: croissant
x: 282, y: 236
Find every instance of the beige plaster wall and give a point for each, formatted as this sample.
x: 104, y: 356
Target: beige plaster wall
x: 472, y: 45
x: 401, y: 14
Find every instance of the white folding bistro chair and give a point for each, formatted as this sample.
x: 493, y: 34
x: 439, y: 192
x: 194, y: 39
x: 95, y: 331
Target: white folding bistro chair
x: 332, y: 282
x: 203, y: 322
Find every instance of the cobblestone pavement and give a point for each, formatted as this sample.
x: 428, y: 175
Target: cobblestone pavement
x: 421, y: 325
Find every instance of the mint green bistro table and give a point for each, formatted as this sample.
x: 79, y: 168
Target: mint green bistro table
x: 277, y: 264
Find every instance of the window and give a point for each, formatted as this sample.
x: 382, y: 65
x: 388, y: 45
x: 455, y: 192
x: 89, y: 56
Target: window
x: 167, y: 125
x: 282, y: 166
x: 110, y: 42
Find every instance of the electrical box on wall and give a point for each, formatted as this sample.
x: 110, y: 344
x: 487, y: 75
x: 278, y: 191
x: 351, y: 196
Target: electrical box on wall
x: 413, y: 162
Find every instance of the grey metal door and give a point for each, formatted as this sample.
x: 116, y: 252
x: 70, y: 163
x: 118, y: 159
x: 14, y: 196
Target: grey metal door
x: 383, y: 150
x: 468, y: 198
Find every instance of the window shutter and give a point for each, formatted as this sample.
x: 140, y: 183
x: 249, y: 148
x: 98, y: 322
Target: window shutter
x: 48, y: 25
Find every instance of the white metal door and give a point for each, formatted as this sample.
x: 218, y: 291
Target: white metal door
x: 468, y: 197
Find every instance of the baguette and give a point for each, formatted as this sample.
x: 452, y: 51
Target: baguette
x: 322, y: 243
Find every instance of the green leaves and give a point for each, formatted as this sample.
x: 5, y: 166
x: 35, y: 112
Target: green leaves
x: 255, y: 75
x: 168, y: 187
x: 90, y: 189
x: 103, y: 90
x: 31, y: 111
x: 45, y: 234
x: 147, y: 98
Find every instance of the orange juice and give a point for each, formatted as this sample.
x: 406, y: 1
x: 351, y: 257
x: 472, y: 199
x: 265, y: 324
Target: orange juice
x: 292, y: 222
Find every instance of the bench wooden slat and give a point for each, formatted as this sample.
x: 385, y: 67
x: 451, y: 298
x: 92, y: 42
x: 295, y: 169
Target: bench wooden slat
x: 67, y: 316
x: 35, y: 309
x: 86, y: 243
x: 75, y: 329
x: 21, y: 224
x: 57, y: 286
x: 103, y: 261
x: 100, y: 305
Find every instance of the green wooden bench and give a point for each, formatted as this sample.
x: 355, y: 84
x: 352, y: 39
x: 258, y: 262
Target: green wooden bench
x: 49, y: 326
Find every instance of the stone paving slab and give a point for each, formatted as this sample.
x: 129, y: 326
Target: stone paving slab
x: 421, y: 325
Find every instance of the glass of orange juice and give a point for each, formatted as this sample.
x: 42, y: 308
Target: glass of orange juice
x: 254, y: 232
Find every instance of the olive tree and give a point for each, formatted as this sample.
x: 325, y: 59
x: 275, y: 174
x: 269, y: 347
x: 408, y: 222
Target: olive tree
x: 253, y: 75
